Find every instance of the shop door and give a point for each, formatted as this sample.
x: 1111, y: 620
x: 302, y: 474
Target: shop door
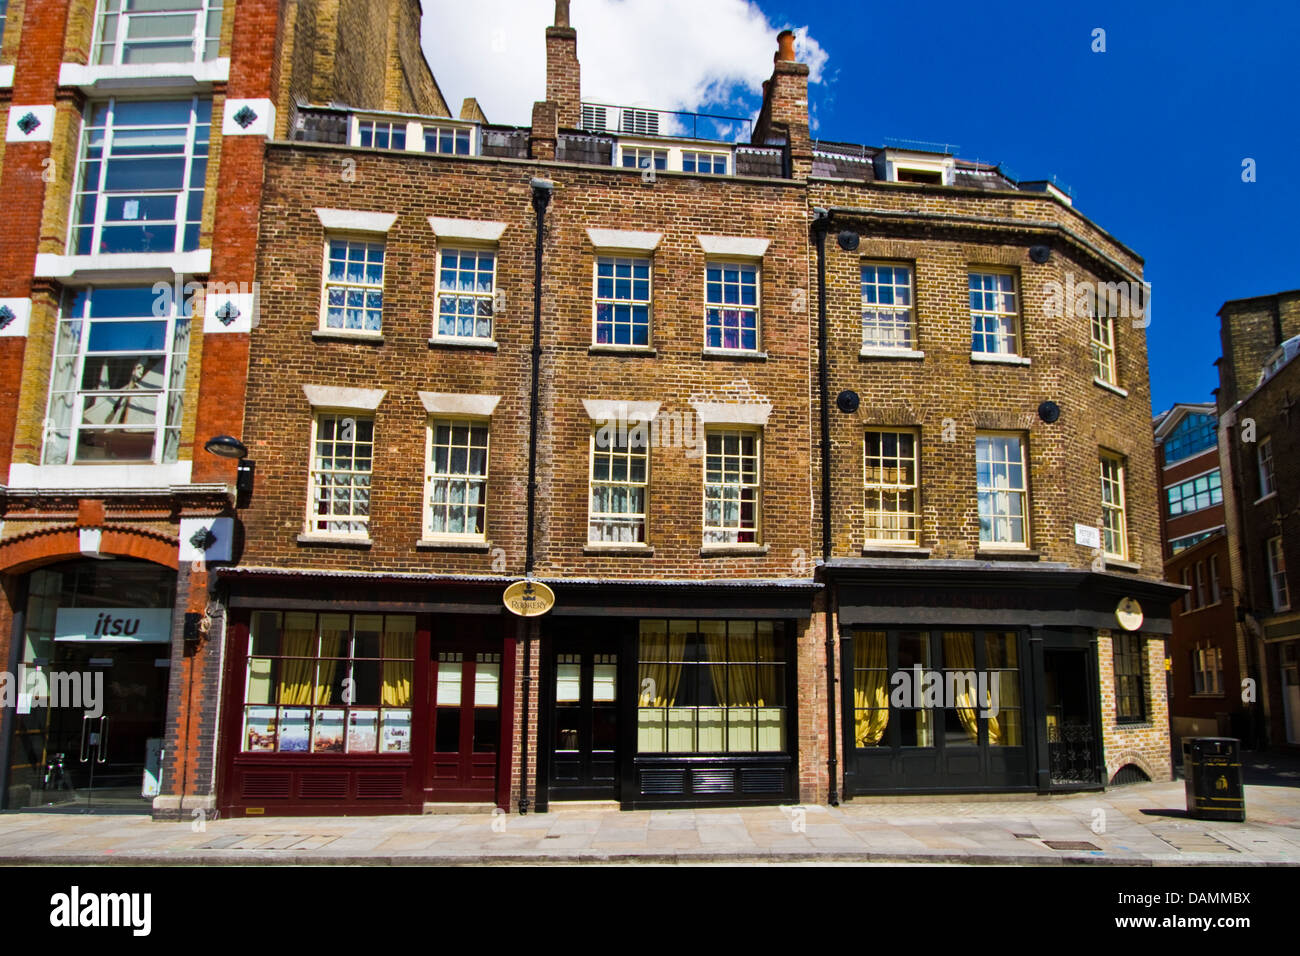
x: 1072, y: 750
x: 584, y: 725
x: 466, y: 723
x: 105, y: 753
x: 1291, y: 690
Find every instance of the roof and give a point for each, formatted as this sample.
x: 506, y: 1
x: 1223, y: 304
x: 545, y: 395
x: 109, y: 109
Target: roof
x: 1167, y: 420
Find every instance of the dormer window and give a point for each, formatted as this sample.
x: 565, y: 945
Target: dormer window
x: 449, y: 140
x: 932, y: 176
x: 381, y: 134
x: 905, y: 166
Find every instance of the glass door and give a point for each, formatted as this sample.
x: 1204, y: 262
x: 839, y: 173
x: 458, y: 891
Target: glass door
x: 466, y: 722
x: 584, y: 727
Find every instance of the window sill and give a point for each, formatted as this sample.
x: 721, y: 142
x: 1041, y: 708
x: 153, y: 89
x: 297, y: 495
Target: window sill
x: 342, y: 335
x: 453, y: 544
x: 335, y: 540
x: 1122, y: 565
x: 639, y: 350
x: 1260, y: 501
x: 733, y: 550
x: 738, y: 354
x: 1110, y: 387
x: 992, y: 358
x: 1132, y: 723
x: 1204, y: 696
x: 617, y: 550
x: 876, y: 353
x: 1006, y: 554
x: 439, y: 341
x: 894, y: 551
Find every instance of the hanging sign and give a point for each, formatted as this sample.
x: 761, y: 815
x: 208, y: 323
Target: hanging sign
x: 528, y: 598
x: 1129, y: 614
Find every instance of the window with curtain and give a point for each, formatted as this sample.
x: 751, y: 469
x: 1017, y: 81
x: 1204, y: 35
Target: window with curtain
x: 466, y: 280
x: 731, y: 306
x: 354, y: 286
x: 711, y: 687
x: 1130, y: 678
x: 157, y: 31
x: 343, y: 451
x: 732, y: 486
x: 457, y: 478
x: 887, y: 317
x: 622, y: 301
x: 890, y: 477
x: 118, y: 382
x: 329, y: 683
x: 619, y: 478
x: 1003, y: 488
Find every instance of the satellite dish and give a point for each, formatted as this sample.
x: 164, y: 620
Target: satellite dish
x: 847, y: 401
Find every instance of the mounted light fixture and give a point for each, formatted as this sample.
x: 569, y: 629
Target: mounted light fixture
x: 226, y: 446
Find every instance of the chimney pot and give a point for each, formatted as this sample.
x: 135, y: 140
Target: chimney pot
x: 785, y: 46
x: 562, y: 13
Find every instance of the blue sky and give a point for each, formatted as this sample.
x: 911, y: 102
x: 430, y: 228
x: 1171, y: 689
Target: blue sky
x: 1150, y: 135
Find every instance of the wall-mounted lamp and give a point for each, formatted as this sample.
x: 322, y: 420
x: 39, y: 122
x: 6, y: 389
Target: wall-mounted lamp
x: 227, y: 446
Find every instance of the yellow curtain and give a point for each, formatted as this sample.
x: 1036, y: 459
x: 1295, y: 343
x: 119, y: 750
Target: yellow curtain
x: 298, y: 670
x: 335, y: 636
x: 715, y: 646
x: 398, y: 642
x: 656, y: 679
x: 768, y: 690
x: 1004, y: 726
x: 870, y: 678
x: 959, y: 654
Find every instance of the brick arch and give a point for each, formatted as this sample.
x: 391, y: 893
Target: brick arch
x: 1113, y: 764
x: 48, y: 545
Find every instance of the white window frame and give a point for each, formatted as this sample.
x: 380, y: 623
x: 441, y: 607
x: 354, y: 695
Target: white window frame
x: 643, y: 162
x: 314, y: 518
x: 1216, y: 590
x: 203, y: 38
x: 1200, y: 585
x: 465, y: 478
x: 1277, y: 582
x: 462, y: 247
x: 713, y: 155
x: 614, y: 302
x: 995, y: 493
x: 1114, y: 506
x: 629, y: 452
x: 673, y: 155
x: 722, y: 534
x: 109, y: 131
x: 470, y: 130
x: 1102, y: 334
x: 891, y: 312
x: 1015, y: 335
x: 1186, y: 579
x: 878, y: 520
x: 366, y: 288
x: 393, y: 124
x: 173, y: 351
x: 1264, y: 459
x: 721, y: 262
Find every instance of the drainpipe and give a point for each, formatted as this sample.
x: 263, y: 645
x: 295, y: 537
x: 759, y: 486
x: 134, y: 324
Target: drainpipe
x: 821, y: 225
x: 542, y: 189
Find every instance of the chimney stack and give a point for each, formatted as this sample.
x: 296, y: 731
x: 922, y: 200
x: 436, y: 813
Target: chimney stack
x: 563, y: 75
x: 783, y: 120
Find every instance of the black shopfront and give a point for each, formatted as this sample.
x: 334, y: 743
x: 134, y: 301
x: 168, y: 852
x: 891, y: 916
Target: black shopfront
x: 975, y: 679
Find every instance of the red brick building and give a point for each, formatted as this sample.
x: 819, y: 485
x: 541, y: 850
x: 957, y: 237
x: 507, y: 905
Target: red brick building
x: 132, y: 166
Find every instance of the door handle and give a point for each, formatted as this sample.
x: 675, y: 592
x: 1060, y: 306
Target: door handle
x: 102, y: 754
x: 84, y: 755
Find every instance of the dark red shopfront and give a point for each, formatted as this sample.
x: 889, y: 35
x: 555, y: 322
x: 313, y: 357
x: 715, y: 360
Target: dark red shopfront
x: 362, y: 706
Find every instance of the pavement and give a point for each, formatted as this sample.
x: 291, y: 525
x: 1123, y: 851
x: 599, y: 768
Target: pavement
x: 1140, y: 824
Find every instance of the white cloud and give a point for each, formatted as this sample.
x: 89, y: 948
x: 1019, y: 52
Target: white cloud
x: 694, y: 55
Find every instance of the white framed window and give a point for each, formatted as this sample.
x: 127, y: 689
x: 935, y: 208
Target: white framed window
x: 699, y: 161
x: 352, y: 299
x: 1103, y: 346
x: 156, y: 31
x: 1002, y: 488
x: 140, y: 177
x: 456, y: 479
x: 1195, y: 494
x: 466, y: 280
x: 1207, y: 670
x: 338, y: 500
x: 643, y: 157
x: 994, y: 315
x: 888, y: 316
x: 118, y: 379
x: 1200, y: 584
x: 1216, y: 593
x: 448, y: 140
x: 1186, y: 578
x: 620, y: 477
x: 890, y: 478
x: 1114, y: 516
x: 380, y: 134
x: 732, y: 486
x: 622, y: 301
x: 1267, y: 480
x: 731, y: 296
x: 1277, y: 575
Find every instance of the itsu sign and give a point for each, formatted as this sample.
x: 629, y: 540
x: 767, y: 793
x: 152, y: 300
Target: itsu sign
x: 92, y: 624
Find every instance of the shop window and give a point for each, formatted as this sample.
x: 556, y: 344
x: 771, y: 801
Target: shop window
x: 622, y: 301
x: 329, y: 683
x: 1207, y: 670
x: 118, y: 382
x: 711, y: 687
x: 140, y: 177
x: 732, y: 490
x: 342, y: 456
x: 457, y: 479
x: 731, y: 306
x: 466, y: 278
x: 1113, y: 516
x: 888, y: 318
x: 354, y: 286
x: 1130, y: 678
x: 620, y: 465
x: 155, y: 31
x: 1003, y: 490
x: 890, y: 478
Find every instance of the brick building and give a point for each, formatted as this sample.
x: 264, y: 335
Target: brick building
x: 1208, y: 649
x: 629, y: 317
x: 1258, y: 382
x: 131, y: 169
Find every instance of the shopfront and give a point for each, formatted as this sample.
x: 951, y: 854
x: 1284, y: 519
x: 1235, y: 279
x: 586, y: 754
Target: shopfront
x: 89, y: 667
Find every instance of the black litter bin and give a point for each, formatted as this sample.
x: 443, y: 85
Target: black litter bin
x: 1212, y: 772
